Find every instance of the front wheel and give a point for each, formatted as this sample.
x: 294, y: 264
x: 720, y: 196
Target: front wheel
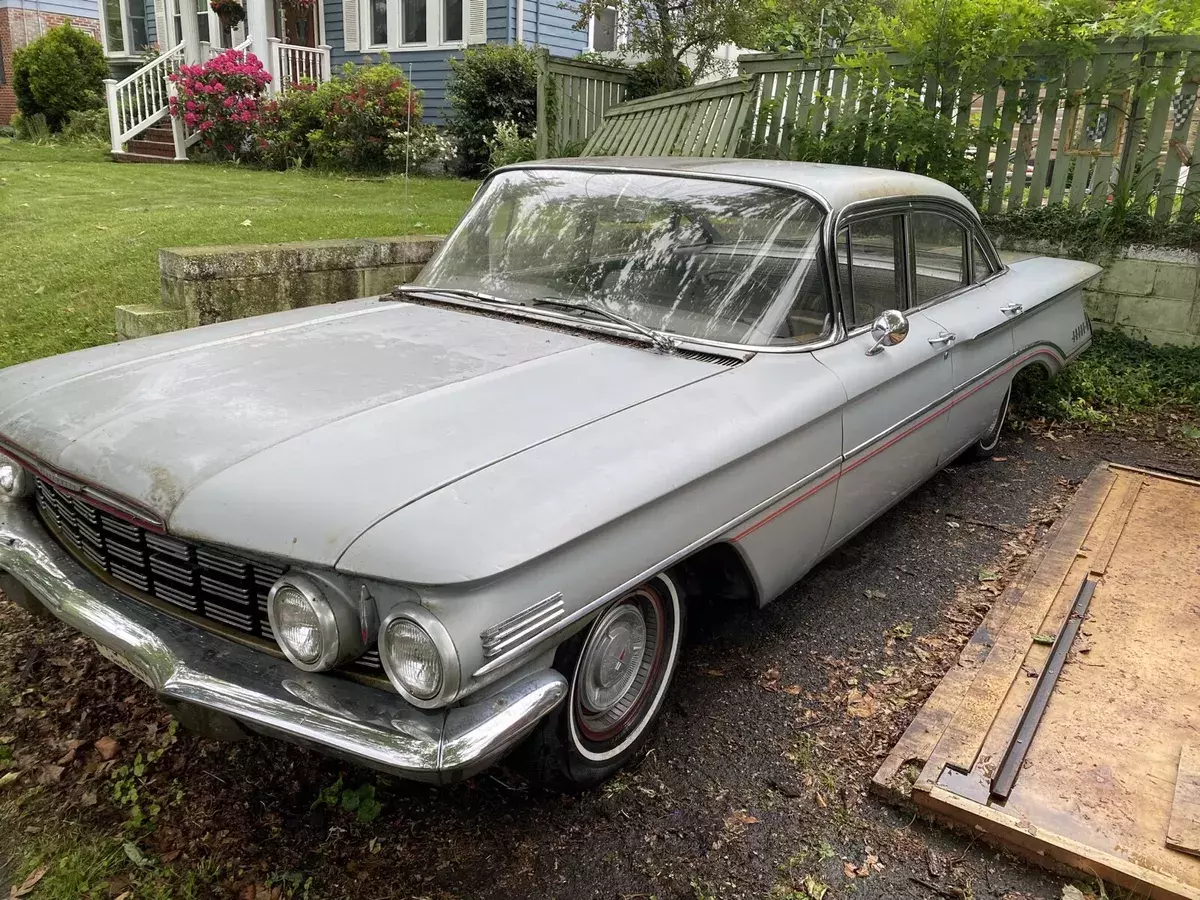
x: 619, y: 668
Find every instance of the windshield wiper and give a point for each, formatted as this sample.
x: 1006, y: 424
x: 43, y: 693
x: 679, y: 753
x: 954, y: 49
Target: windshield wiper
x: 661, y: 340
x: 454, y: 292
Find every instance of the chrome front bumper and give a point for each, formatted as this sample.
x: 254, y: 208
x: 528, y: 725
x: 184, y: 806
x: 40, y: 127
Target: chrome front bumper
x: 187, y: 664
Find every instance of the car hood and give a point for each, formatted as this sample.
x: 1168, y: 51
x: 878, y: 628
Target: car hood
x: 291, y: 434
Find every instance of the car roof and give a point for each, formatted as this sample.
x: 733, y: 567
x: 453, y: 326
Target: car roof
x: 838, y: 186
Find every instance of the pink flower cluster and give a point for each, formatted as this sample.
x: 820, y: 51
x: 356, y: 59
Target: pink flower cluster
x: 220, y: 99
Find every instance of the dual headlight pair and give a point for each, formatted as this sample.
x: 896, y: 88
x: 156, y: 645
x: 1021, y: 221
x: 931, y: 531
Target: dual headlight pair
x: 318, y: 633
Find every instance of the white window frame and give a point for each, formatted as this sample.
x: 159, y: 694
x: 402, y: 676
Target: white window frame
x: 126, y: 52
x: 618, y: 35
x: 434, y: 28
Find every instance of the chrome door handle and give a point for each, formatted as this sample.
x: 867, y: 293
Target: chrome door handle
x: 1013, y: 309
x: 944, y: 337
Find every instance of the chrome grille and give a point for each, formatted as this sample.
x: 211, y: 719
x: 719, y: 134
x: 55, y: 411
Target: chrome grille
x: 205, y: 582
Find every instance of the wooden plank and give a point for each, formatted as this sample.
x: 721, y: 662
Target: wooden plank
x: 721, y: 108
x: 1008, y: 118
x: 983, y: 144
x: 778, y: 98
x: 837, y: 88
x: 788, y: 133
x: 1168, y: 186
x: 1016, y: 193
x: 1131, y: 487
x: 820, y: 104
x: 671, y: 136
x: 1083, y: 163
x: 723, y: 135
x: 1120, y: 102
x: 1048, y: 114
x: 960, y: 743
x: 804, y: 104
x: 737, y: 136
x: 708, y: 125
x: 1183, y: 832
x: 1062, y: 161
x: 644, y: 133
x: 1150, y: 160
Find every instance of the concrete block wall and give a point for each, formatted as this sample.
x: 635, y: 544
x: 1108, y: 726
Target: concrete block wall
x: 202, y: 285
x: 1152, y: 293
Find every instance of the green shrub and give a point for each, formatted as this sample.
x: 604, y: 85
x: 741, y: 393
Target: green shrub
x: 7, y: 131
x: 31, y: 128
x: 281, y: 136
x: 59, y: 73
x: 657, y: 76
x: 507, y: 146
x: 492, y: 83
x: 357, y: 111
x: 87, y: 128
x: 420, y: 146
x: 1117, y: 374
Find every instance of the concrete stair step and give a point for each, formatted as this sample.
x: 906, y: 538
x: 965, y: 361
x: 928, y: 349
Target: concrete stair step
x: 146, y: 158
x: 144, y: 319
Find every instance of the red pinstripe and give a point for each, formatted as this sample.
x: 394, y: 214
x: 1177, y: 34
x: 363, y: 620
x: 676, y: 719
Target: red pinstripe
x: 950, y: 404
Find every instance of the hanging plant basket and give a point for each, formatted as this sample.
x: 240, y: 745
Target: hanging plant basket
x: 230, y: 12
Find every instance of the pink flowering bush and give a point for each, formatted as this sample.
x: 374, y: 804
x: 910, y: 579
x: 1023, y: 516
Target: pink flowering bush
x: 221, y: 99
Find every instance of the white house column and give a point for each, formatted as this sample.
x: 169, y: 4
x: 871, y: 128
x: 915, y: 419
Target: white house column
x: 258, y: 30
x: 189, y: 24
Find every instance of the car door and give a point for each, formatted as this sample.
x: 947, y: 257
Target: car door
x: 892, y: 431
x: 953, y: 283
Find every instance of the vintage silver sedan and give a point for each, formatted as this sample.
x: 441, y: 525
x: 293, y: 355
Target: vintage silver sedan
x: 422, y: 530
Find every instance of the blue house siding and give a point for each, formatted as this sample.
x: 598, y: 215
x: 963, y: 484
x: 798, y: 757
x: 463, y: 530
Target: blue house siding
x: 500, y: 21
x: 548, y: 25
x: 151, y: 23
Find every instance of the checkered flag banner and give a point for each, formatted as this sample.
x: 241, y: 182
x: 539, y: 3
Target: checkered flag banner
x: 1181, y: 108
x: 1029, y: 108
x: 1096, y: 130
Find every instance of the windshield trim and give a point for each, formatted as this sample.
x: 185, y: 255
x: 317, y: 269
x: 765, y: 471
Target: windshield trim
x: 836, y: 334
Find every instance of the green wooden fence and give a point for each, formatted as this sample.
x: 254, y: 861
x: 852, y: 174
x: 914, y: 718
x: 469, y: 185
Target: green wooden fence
x: 583, y: 92
x: 705, y: 120
x: 1120, y: 119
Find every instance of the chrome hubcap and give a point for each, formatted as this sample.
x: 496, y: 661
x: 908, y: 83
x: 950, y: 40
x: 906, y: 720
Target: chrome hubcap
x: 614, y: 658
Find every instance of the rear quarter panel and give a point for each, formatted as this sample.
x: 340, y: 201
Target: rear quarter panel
x: 1051, y: 291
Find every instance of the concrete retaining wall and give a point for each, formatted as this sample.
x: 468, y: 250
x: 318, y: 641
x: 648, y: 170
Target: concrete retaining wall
x: 1152, y: 293
x: 202, y: 285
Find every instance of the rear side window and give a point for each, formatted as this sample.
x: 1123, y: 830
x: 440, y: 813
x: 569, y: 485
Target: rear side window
x: 939, y: 256
x: 871, y: 279
x: 983, y: 269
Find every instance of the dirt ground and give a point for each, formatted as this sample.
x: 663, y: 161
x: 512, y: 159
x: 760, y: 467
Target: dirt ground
x: 755, y: 786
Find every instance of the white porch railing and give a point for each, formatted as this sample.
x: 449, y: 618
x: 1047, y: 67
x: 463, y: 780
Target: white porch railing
x: 139, y: 100
x: 292, y: 63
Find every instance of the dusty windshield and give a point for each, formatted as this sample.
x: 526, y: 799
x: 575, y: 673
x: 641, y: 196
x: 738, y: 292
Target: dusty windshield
x: 719, y: 260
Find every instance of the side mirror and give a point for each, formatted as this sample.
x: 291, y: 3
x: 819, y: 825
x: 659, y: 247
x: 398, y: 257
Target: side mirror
x: 888, y: 330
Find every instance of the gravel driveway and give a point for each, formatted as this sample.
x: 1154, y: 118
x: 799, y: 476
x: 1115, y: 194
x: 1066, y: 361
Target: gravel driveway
x: 755, y: 786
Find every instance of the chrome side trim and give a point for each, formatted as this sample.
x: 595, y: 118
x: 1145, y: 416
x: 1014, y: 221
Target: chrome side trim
x: 524, y: 625
x: 515, y: 653
x: 180, y: 662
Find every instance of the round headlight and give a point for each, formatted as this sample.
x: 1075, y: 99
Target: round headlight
x: 14, y: 480
x: 304, y: 623
x: 419, y: 656
x: 413, y: 660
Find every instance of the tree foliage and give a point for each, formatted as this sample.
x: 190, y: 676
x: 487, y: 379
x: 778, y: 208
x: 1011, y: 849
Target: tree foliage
x: 59, y: 73
x: 678, y: 31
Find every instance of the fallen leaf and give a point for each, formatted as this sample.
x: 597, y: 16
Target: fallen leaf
x: 135, y: 855
x: 170, y: 856
x: 28, y: 884
x: 793, y: 689
x: 988, y: 575
x: 874, y: 595
x: 8, y: 778
x: 50, y: 774
x: 770, y: 679
x: 850, y: 870
x: 1070, y: 892
x: 89, y: 798
x: 815, y: 889
x: 861, y: 706
x: 246, y: 223
x: 1044, y: 639
x: 107, y: 748
x: 715, y: 673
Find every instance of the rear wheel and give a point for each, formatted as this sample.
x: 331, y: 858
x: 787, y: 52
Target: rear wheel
x: 983, y: 447
x: 619, y: 670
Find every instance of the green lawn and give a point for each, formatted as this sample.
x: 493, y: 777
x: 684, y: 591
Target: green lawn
x: 80, y: 234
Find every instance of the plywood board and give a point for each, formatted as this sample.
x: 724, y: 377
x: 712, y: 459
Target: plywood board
x: 1099, y: 784
x: 1183, y: 832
